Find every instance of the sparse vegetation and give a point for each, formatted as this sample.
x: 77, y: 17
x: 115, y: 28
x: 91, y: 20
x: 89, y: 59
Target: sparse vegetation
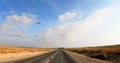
x: 102, y: 56
x: 4, y: 50
x: 108, y: 53
x: 10, y: 53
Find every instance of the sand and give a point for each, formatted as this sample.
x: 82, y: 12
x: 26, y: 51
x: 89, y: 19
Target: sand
x: 15, y: 56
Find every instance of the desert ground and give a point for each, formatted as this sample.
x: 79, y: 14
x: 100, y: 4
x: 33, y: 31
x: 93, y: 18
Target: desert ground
x: 13, y: 53
x: 109, y: 53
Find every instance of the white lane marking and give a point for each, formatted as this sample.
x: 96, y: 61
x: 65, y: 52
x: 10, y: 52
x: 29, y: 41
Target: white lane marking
x: 47, y: 61
x: 51, y: 58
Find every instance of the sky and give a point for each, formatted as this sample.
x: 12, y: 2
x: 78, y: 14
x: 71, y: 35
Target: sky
x: 59, y: 23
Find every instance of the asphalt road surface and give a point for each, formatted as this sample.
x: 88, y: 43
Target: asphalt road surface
x: 58, y: 56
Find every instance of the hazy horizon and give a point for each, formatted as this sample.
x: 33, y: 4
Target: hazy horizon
x: 59, y: 23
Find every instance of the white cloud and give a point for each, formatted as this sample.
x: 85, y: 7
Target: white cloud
x: 13, y: 29
x: 94, y: 30
x: 66, y: 16
x: 100, y: 28
x: 17, y: 23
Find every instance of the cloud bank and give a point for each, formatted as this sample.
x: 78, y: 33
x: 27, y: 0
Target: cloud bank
x: 100, y: 28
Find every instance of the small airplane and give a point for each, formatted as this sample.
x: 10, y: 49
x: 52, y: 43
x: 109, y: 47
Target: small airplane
x: 38, y: 22
x: 18, y: 35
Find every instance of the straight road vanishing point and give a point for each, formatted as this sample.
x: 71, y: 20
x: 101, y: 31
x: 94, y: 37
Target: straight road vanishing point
x: 59, y: 56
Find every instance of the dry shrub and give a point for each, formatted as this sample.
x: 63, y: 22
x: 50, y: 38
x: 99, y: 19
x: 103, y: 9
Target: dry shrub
x: 101, y: 55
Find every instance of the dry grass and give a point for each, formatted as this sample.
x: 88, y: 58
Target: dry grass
x: 107, y: 50
x: 12, y: 53
x: 5, y: 50
x: 113, y: 54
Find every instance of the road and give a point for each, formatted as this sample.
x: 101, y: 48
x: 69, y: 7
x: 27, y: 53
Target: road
x: 58, y: 56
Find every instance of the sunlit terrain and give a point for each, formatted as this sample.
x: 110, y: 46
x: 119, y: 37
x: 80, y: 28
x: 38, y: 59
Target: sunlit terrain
x: 13, y: 53
x: 108, y: 53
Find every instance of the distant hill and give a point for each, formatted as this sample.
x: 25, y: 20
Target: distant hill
x: 109, y: 46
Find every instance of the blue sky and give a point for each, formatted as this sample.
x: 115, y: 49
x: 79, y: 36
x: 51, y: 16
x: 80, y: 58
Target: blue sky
x: 48, y: 11
x: 59, y: 18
